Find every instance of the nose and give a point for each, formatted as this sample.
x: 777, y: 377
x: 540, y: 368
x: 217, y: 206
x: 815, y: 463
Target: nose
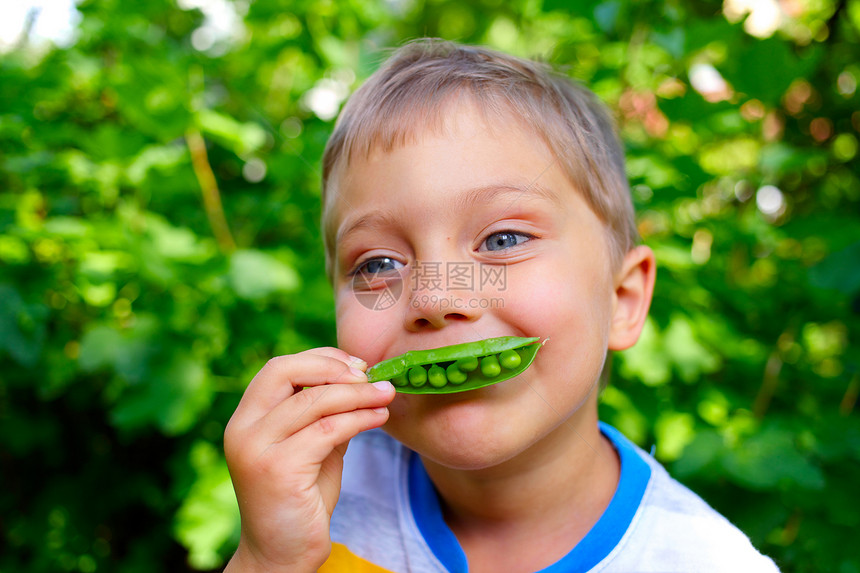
x: 441, y: 294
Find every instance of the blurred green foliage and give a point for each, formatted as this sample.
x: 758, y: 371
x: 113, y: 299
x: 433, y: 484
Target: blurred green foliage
x: 159, y: 242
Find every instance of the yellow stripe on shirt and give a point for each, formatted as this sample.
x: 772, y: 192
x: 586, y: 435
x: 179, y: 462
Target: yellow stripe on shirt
x: 342, y: 560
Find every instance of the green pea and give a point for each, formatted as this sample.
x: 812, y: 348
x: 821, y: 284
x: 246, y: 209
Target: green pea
x: 417, y: 376
x: 459, y: 367
x: 455, y: 375
x: 467, y: 364
x: 509, y: 359
x: 490, y: 366
x: 436, y: 376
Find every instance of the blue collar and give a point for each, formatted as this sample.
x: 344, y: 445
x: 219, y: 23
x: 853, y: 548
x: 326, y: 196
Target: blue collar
x: 598, y: 542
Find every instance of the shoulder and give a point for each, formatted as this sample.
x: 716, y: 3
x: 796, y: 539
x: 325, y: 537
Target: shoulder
x: 676, y: 530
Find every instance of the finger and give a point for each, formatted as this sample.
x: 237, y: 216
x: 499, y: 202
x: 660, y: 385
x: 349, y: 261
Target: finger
x: 319, y: 439
x: 282, y: 376
x: 339, y: 354
x: 305, y: 408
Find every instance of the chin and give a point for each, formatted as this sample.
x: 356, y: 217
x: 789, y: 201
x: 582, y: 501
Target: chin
x: 460, y: 431
x: 464, y: 452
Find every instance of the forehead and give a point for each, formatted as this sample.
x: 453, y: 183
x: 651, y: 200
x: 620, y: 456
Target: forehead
x: 478, y: 133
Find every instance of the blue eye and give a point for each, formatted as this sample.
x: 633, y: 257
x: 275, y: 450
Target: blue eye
x: 505, y: 240
x: 378, y: 266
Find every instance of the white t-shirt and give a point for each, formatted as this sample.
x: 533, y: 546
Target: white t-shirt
x: 389, y: 519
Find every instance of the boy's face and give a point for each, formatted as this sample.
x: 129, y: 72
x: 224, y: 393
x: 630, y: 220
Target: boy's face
x: 490, y: 239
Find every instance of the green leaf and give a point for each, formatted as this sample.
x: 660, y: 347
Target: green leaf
x: 209, y: 515
x: 69, y: 227
x: 98, y: 348
x: 606, y: 14
x: 256, y: 275
x: 647, y: 360
x: 241, y: 138
x: 729, y: 156
x: 156, y: 157
x: 700, y: 455
x: 624, y: 415
x: 771, y: 458
x: 691, y: 357
x: 176, y: 243
x: 673, y: 430
x: 839, y: 271
x: 127, y: 351
x: 671, y: 41
x: 654, y: 171
x: 172, y: 398
x: 584, y: 7
x: 764, y: 69
x: 22, y: 327
x: 780, y: 158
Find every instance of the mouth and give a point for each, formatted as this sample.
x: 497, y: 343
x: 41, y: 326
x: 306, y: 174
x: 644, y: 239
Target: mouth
x: 459, y: 367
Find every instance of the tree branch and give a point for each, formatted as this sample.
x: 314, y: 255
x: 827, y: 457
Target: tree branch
x: 209, y: 188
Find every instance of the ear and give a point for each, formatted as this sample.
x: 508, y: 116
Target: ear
x: 634, y: 285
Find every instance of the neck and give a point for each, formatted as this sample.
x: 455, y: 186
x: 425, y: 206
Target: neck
x: 555, y: 491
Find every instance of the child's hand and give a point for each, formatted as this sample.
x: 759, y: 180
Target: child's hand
x: 285, y: 448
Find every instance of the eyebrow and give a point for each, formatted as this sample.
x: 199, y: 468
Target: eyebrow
x: 375, y: 219
x: 493, y: 192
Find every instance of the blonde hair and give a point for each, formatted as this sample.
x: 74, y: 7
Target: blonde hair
x: 411, y: 91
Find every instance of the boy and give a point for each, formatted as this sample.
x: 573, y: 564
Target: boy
x: 455, y: 157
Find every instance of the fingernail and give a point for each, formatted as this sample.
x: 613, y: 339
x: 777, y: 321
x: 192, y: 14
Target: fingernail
x: 357, y: 373
x: 357, y: 362
x: 383, y: 385
x: 380, y: 410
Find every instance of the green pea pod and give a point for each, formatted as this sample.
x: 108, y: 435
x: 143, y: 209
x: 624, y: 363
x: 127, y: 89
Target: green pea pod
x: 446, y: 365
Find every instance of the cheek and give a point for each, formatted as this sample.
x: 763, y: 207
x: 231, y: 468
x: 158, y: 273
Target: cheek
x: 544, y: 303
x: 361, y: 331
x: 351, y: 320
x: 562, y: 296
x: 572, y: 310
